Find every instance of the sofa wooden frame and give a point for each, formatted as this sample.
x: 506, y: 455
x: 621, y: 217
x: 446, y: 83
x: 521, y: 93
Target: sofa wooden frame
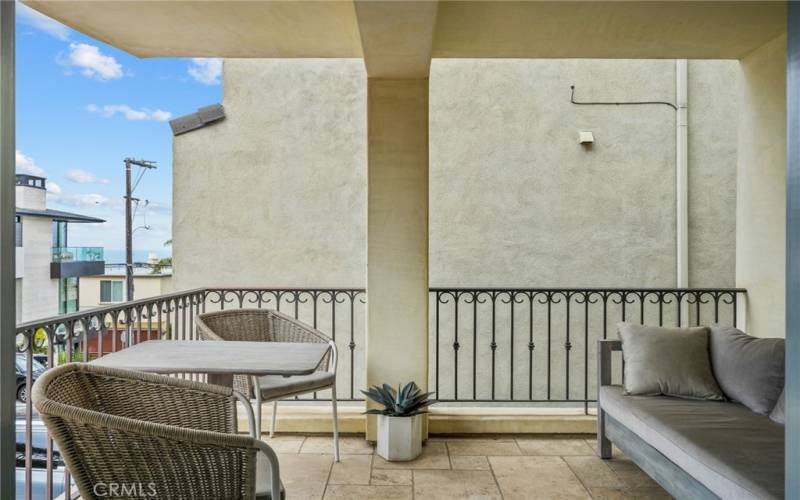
x: 678, y: 482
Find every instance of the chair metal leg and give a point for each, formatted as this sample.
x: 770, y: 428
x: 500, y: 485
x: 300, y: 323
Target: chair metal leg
x: 335, y: 424
x: 257, y: 392
x: 258, y: 419
x: 274, y: 418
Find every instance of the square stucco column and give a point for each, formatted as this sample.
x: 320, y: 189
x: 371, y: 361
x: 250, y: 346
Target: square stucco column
x: 761, y: 189
x: 397, y: 234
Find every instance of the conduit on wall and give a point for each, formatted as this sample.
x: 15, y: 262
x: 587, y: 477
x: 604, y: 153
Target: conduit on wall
x: 681, y: 163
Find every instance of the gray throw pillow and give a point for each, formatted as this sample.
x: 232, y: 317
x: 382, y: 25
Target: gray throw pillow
x: 668, y: 361
x: 749, y: 370
x: 778, y: 414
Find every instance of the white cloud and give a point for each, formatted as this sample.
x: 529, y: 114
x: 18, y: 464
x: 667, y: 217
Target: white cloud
x: 53, y: 188
x: 83, y: 177
x: 83, y: 200
x: 26, y: 165
x: 130, y: 113
x: 92, y: 62
x: 41, y: 22
x: 207, y: 71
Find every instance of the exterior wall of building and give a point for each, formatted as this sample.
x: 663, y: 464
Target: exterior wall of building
x: 275, y: 194
x: 144, y: 286
x: 39, y: 292
x: 516, y: 201
x: 18, y: 304
x: 713, y: 127
x: 31, y: 198
x: 761, y: 209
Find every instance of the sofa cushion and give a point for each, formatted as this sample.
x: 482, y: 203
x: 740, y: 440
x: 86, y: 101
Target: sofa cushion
x: 748, y: 369
x: 778, y: 414
x: 732, y: 451
x: 669, y: 361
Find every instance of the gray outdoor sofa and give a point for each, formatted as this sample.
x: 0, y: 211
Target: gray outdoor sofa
x: 694, y: 448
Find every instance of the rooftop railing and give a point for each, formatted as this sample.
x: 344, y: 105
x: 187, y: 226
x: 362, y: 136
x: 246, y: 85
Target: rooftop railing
x: 75, y: 254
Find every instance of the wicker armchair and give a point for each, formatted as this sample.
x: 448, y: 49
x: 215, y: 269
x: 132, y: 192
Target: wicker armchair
x: 265, y: 325
x: 134, y: 432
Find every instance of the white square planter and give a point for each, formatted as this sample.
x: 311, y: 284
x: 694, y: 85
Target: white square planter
x: 399, y: 438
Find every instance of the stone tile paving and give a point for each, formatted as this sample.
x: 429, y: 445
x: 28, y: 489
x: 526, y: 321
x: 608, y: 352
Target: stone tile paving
x: 502, y: 467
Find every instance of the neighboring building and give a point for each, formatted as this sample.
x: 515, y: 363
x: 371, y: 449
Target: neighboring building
x: 514, y: 199
x: 109, y: 288
x: 48, y: 270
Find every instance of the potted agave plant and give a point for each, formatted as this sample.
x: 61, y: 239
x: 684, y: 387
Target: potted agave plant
x: 400, y: 420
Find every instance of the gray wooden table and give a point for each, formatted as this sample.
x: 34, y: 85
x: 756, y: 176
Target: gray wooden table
x: 219, y: 360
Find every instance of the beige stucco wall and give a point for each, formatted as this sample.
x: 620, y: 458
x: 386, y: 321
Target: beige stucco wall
x: 761, y: 208
x: 515, y: 201
x: 275, y: 195
x: 713, y: 127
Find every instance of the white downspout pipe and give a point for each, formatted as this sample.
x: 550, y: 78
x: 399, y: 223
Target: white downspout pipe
x: 682, y: 180
x: 682, y: 173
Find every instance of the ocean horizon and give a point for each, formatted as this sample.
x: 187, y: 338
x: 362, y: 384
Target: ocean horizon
x: 117, y: 256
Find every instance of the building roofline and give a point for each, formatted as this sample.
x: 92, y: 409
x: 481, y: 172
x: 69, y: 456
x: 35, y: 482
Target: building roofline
x: 204, y: 116
x: 58, y: 215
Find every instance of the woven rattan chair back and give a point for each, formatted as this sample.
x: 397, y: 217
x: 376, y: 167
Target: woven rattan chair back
x: 138, y: 432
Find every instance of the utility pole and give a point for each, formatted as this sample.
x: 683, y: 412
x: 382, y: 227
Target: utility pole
x: 129, y: 199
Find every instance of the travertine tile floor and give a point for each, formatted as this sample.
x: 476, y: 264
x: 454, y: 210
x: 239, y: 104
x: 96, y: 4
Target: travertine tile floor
x: 503, y: 467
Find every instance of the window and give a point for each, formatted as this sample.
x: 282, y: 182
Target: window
x: 110, y: 291
x: 67, y: 295
x: 18, y: 231
x: 59, y: 234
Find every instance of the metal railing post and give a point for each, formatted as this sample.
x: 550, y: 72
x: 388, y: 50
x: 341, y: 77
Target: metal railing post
x: 7, y: 250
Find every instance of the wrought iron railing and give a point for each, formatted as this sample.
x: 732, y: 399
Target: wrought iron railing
x: 487, y: 345
x: 537, y: 345
x: 86, y: 335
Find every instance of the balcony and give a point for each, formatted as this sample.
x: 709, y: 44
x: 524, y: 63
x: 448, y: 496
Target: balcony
x: 520, y: 359
x: 69, y: 262
x: 517, y: 368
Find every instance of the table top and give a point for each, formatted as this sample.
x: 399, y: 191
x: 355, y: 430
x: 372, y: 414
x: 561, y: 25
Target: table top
x: 218, y: 357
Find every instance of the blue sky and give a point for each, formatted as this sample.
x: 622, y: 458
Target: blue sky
x: 83, y: 106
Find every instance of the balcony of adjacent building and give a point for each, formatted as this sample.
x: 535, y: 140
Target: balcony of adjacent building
x: 72, y: 262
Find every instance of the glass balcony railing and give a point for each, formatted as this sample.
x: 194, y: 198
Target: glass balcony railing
x: 78, y: 254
